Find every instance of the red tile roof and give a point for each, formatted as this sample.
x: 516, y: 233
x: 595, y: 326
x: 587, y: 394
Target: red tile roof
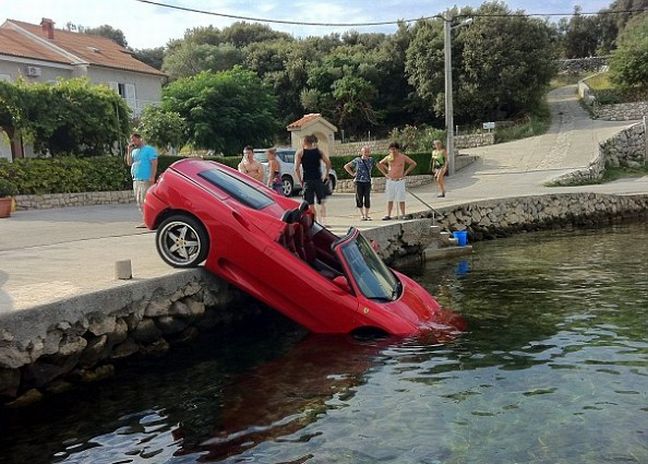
x: 96, y: 50
x: 307, y: 119
x: 13, y: 43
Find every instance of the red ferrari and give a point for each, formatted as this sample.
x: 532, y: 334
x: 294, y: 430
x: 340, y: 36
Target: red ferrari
x: 269, y: 246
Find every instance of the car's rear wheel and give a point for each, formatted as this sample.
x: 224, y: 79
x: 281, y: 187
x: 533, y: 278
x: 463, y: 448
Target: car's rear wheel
x: 182, y: 241
x: 287, y: 186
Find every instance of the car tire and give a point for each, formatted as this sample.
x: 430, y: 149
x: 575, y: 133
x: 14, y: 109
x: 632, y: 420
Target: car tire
x: 182, y: 241
x: 332, y: 181
x: 287, y: 185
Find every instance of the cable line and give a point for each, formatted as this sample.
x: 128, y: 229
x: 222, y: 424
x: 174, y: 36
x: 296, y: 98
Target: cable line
x: 381, y: 23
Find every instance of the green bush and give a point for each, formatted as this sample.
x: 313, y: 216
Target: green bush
x: 69, y: 174
x: 7, y: 188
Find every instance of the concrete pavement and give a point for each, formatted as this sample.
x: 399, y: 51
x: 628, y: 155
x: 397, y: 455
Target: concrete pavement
x: 46, y: 255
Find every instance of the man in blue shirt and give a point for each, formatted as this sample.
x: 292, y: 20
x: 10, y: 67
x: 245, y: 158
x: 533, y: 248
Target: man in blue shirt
x: 143, y: 162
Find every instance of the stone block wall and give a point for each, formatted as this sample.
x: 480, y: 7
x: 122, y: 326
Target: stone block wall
x: 48, y: 349
x: 378, y: 183
x: 500, y: 218
x: 621, y: 111
x: 628, y: 148
x: 474, y: 140
x: 581, y: 65
x: 630, y: 111
x: 60, y: 200
x: 380, y: 146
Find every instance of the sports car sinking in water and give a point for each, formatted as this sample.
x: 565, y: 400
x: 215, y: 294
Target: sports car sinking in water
x: 270, y: 247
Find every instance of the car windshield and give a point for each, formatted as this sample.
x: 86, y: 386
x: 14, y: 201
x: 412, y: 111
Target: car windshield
x: 236, y: 188
x: 374, y: 278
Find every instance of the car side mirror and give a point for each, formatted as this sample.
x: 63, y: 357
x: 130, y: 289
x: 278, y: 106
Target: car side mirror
x: 342, y: 283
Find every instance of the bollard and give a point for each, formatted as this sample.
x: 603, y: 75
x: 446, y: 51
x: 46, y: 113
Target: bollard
x: 123, y: 269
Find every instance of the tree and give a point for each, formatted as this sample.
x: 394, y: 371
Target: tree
x: 629, y: 62
x: 502, y: 63
x: 582, y: 35
x: 190, y: 58
x: 162, y: 128
x: 224, y: 111
x: 241, y: 34
x: 106, y: 31
x: 70, y: 116
x: 152, y: 56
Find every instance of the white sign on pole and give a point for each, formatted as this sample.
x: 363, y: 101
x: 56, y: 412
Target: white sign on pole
x: 489, y: 125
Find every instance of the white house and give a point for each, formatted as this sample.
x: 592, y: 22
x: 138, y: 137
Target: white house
x: 41, y: 53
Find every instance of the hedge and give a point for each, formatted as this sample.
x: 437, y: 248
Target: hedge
x: 69, y: 174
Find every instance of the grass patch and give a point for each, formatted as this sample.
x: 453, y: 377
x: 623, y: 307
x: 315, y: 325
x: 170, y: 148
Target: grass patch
x: 561, y: 80
x: 600, y: 82
x: 536, y: 123
x: 611, y: 174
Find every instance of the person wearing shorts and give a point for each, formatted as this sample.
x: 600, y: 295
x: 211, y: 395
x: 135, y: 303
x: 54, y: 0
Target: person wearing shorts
x: 308, y: 161
x: 395, y: 167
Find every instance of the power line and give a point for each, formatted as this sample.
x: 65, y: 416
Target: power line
x: 282, y: 21
x: 382, y: 23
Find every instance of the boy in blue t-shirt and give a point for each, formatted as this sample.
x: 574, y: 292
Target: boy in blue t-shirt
x: 143, y: 162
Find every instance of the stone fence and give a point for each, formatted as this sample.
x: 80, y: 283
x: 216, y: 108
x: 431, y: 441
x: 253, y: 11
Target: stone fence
x: 378, y: 183
x: 630, y: 111
x: 628, y: 148
x: 499, y: 218
x: 581, y: 65
x: 478, y: 139
x: 59, y: 200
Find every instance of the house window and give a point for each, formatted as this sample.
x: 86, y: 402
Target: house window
x: 126, y: 91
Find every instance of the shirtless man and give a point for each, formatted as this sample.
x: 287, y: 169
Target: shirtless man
x: 395, y: 167
x: 250, y: 166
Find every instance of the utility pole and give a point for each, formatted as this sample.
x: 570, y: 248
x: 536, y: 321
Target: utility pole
x: 449, y: 117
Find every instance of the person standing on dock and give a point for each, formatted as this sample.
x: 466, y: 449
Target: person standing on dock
x: 363, y: 166
x: 143, y: 161
x: 250, y: 166
x: 439, y: 165
x: 395, y: 167
x: 309, y: 160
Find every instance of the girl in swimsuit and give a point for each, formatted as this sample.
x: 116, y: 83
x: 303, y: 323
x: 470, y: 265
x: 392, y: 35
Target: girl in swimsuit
x: 274, y: 173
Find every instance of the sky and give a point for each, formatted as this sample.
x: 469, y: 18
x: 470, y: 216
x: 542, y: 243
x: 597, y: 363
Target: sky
x: 147, y: 26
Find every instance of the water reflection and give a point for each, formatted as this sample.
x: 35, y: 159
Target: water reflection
x: 553, y: 368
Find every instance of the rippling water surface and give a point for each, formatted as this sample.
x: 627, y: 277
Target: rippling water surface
x: 553, y: 369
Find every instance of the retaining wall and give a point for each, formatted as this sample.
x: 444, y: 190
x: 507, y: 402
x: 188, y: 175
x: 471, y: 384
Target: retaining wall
x: 60, y: 200
x: 581, y: 65
x: 500, y: 218
x: 630, y: 111
x: 380, y: 146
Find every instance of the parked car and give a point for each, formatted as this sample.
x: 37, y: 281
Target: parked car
x: 286, y: 158
x: 270, y: 247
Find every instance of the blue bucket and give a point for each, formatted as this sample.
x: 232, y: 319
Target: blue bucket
x: 461, y: 236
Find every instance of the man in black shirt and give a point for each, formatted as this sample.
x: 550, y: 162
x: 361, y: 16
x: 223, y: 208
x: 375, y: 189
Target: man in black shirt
x: 309, y: 159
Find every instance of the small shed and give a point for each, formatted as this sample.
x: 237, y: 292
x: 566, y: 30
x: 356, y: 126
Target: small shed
x: 315, y: 124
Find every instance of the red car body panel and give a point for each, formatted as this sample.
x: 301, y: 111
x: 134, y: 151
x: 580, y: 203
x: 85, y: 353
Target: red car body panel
x: 249, y: 248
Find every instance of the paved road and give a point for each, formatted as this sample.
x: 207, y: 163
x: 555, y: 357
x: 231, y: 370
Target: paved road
x: 51, y: 254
